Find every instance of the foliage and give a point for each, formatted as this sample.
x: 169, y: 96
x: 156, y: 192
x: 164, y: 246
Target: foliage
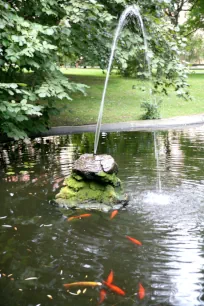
x: 123, y: 99
x: 28, y: 51
x: 152, y: 109
x: 165, y: 46
x: 195, y: 19
x: 195, y: 49
x: 37, y: 35
x: 165, y: 50
x: 194, y: 14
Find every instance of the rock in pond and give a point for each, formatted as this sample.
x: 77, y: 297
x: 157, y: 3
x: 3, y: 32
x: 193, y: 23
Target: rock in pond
x: 93, y: 184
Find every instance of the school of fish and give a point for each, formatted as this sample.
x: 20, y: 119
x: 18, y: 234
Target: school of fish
x: 106, y: 285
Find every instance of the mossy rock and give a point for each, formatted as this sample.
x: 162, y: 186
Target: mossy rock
x: 109, y: 178
x: 66, y: 193
x: 75, y: 193
x: 93, y: 181
x: 87, y: 190
x: 74, y: 183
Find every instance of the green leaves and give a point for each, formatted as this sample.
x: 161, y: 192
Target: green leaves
x: 152, y: 109
x: 49, y: 31
x: 30, y: 36
x: 37, y: 36
x: 57, y: 86
x: 15, y: 112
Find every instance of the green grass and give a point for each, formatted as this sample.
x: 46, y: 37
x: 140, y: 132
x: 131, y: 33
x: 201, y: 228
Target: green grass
x: 122, y: 102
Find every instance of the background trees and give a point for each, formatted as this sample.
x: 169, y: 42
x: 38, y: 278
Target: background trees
x: 194, y: 11
x: 36, y: 36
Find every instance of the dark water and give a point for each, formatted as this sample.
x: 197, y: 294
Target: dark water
x: 170, y: 224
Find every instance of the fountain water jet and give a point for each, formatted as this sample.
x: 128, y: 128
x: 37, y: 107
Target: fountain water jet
x: 132, y: 10
x: 156, y: 154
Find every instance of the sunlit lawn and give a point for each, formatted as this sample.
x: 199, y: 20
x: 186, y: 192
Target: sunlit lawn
x: 123, y: 99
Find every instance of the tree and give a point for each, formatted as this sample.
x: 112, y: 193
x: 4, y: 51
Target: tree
x: 165, y: 44
x: 195, y: 49
x: 194, y: 11
x: 36, y: 35
x: 195, y: 19
x: 33, y: 36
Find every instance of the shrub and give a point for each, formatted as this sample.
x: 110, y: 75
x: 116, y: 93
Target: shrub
x: 152, y: 109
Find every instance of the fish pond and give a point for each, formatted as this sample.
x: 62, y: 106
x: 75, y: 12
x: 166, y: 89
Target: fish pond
x: 40, y: 250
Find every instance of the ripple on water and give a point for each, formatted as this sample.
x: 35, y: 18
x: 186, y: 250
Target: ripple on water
x: 168, y: 223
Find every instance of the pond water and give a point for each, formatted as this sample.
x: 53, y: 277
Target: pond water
x: 36, y: 240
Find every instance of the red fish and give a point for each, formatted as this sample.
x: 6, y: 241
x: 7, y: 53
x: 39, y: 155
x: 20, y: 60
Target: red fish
x: 114, y: 288
x: 79, y: 217
x: 110, y: 277
x: 134, y: 240
x: 141, y: 292
x: 102, y: 296
x: 113, y: 214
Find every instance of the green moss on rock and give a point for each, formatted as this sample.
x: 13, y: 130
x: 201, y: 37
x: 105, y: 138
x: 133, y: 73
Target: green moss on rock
x: 74, y: 184
x: 66, y: 193
x: 78, y: 190
x: 109, y: 178
x: 96, y: 186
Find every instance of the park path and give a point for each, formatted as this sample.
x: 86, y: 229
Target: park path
x: 138, y: 125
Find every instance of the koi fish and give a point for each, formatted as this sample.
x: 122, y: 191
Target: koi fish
x: 114, y: 288
x: 78, y: 217
x: 134, y: 240
x: 86, y: 284
x: 102, y: 296
x: 103, y: 291
x: 113, y: 214
x: 141, y: 292
x: 110, y: 277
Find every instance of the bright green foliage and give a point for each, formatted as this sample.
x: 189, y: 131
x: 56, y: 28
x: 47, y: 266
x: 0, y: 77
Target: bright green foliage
x: 36, y: 36
x: 29, y: 35
x: 196, y: 15
x: 166, y: 47
x: 152, y: 109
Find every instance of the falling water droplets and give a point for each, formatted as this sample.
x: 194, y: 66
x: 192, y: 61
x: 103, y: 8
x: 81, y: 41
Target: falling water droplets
x: 131, y: 10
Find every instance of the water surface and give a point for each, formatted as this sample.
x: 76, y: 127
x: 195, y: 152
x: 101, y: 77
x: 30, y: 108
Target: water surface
x: 170, y: 224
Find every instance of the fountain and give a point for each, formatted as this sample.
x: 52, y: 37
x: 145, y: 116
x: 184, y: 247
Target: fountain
x: 90, y: 170
x: 40, y: 249
x: 132, y: 10
x: 156, y: 154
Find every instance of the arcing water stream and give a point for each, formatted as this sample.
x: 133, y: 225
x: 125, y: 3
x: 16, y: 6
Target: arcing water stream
x: 132, y: 10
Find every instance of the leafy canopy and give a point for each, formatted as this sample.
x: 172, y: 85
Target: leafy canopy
x: 36, y: 35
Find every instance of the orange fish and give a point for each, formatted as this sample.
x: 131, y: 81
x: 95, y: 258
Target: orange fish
x: 102, y: 296
x: 141, y: 292
x: 86, y: 284
x: 134, y: 240
x: 113, y: 214
x: 78, y: 217
x: 114, y: 288
x: 110, y: 277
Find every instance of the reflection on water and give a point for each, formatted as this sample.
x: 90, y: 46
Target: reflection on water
x: 36, y: 241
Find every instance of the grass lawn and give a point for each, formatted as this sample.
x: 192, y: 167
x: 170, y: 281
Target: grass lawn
x: 123, y: 99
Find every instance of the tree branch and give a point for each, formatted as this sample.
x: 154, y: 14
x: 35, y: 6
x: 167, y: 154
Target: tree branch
x: 193, y: 31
